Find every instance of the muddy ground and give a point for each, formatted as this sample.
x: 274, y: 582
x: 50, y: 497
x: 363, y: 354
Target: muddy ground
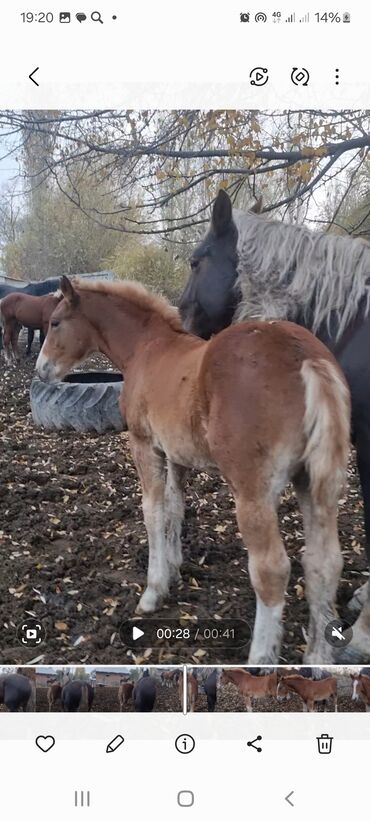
x: 73, y: 548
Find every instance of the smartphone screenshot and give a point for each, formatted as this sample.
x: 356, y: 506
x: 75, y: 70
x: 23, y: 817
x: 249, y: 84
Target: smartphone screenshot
x: 184, y: 411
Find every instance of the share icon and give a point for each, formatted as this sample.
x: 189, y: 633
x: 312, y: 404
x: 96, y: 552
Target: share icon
x: 252, y: 745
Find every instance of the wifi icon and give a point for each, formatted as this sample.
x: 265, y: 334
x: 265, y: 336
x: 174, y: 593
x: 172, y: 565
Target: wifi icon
x: 260, y: 17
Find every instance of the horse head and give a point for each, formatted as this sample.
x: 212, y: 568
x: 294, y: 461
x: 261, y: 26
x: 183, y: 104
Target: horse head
x: 282, y: 691
x: 210, y: 297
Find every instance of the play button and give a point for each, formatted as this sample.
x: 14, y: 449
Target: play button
x: 137, y: 633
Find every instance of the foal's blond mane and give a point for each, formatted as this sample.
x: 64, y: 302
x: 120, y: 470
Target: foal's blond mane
x: 135, y: 293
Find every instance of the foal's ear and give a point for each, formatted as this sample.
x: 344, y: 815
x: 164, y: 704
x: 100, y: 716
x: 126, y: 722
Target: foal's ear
x: 68, y: 291
x: 257, y: 207
x: 222, y: 213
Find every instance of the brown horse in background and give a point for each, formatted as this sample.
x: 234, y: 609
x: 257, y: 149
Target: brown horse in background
x: 125, y: 691
x: 249, y: 686
x: 54, y: 693
x: 309, y: 691
x: 263, y: 403
x: 192, y: 690
x: 169, y: 678
x: 17, y: 310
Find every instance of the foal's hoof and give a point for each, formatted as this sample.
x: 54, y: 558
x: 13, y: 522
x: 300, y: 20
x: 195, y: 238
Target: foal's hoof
x: 359, y: 598
x: 148, y: 603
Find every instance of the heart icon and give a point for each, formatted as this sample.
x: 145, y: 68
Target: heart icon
x: 45, y: 743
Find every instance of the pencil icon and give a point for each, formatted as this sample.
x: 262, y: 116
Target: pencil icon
x: 114, y: 743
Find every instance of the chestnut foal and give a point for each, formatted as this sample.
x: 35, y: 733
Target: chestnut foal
x: 249, y: 686
x: 264, y: 403
x: 310, y: 691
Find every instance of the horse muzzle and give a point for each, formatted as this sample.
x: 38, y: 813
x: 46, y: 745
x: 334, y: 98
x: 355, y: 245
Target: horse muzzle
x: 46, y: 370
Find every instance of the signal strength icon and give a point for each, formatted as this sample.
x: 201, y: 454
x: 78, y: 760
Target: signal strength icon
x: 305, y: 19
x: 291, y: 18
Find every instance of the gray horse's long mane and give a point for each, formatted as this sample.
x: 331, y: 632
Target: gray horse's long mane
x: 286, y: 271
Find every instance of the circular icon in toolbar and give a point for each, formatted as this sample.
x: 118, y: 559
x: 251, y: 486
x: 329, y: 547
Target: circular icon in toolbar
x: 300, y: 76
x: 185, y: 744
x: 259, y: 76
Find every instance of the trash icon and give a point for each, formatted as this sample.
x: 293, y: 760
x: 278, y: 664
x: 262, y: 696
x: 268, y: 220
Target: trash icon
x: 324, y: 743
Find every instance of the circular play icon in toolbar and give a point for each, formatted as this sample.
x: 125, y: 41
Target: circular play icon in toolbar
x: 259, y: 76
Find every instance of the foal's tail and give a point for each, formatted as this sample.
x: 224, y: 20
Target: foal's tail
x: 327, y: 427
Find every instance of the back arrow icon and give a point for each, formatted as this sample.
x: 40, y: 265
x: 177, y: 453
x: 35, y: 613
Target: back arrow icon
x: 287, y: 798
x: 32, y: 78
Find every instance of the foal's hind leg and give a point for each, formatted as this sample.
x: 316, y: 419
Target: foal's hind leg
x: 151, y: 469
x: 269, y: 569
x: 7, y: 341
x: 323, y: 564
x: 248, y: 703
x: 14, y: 341
x: 174, y: 514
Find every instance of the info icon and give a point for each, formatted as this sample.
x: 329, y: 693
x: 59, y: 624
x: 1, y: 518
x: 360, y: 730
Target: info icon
x: 185, y: 743
x: 31, y: 633
x: 64, y: 17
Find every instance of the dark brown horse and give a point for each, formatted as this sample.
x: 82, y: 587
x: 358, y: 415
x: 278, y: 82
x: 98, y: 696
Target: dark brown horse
x: 17, y: 310
x: 145, y: 693
x: 77, y: 695
x: 262, y: 403
x: 248, y: 265
x: 15, y: 692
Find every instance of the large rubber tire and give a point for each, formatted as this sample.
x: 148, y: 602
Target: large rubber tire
x: 85, y: 401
